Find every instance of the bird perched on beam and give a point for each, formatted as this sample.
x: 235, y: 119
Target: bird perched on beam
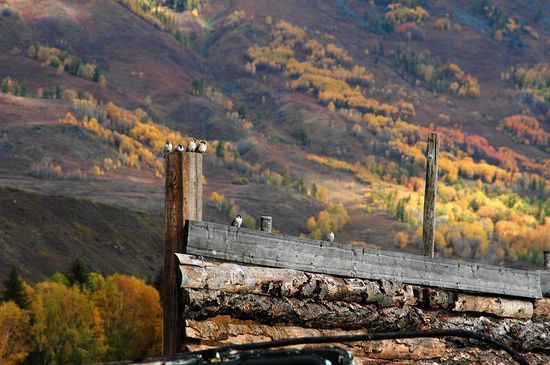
x: 330, y: 237
x: 167, y: 148
x: 202, y: 147
x: 179, y: 148
x: 237, y: 221
x: 192, y: 145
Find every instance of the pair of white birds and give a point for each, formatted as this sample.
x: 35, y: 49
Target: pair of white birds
x: 191, y: 147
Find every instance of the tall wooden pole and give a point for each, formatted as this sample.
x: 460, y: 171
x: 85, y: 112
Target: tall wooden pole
x: 172, y: 335
x: 428, y: 229
x: 183, y: 199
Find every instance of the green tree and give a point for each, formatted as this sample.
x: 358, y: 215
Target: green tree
x: 6, y: 85
x: 78, y: 273
x: 242, y: 112
x: 14, y: 290
x: 58, y: 92
x: 220, y: 149
x: 198, y: 88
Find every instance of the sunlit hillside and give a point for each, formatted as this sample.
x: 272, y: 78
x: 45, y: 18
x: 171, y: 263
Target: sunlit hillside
x: 317, y: 115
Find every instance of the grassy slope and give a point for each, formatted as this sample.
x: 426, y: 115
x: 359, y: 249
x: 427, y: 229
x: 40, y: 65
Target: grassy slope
x: 42, y: 234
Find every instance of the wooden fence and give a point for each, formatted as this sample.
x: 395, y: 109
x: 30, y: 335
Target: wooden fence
x: 186, y: 233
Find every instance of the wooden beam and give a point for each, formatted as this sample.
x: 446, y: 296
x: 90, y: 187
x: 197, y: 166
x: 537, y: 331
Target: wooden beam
x: 428, y: 225
x: 276, y: 250
x: 172, y: 335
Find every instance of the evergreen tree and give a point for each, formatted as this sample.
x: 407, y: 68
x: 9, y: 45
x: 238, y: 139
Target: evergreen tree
x: 97, y: 74
x: 78, y: 273
x: 14, y: 290
x: 6, y: 85
x: 58, y: 92
x: 220, y: 150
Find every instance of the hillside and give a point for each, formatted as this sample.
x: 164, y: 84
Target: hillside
x: 320, y: 113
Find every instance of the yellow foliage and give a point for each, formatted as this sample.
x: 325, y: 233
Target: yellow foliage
x: 133, y: 317
x: 443, y: 24
x: 332, y: 219
x: 402, y: 239
x: 65, y: 328
x: 14, y: 334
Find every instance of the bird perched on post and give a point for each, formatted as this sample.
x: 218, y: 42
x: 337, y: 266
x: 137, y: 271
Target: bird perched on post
x: 237, y: 221
x: 167, y: 148
x: 330, y: 237
x: 179, y: 148
x: 202, y: 147
x: 192, y: 145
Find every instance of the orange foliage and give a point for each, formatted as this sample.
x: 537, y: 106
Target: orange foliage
x: 525, y: 129
x: 132, y: 317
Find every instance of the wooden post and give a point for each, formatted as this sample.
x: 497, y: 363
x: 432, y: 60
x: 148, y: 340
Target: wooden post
x: 183, y: 202
x: 428, y: 229
x: 172, y: 334
x: 192, y: 186
x: 266, y: 223
x: 546, y: 260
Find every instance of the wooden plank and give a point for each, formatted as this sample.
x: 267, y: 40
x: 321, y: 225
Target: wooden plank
x: 172, y: 339
x: 276, y: 250
x: 428, y: 223
x: 545, y: 282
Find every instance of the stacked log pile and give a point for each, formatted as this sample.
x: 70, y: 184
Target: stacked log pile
x: 228, y: 303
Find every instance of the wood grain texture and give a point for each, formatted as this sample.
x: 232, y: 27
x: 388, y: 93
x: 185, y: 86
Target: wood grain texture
x: 428, y: 226
x: 173, y: 312
x: 192, y: 185
x: 275, y: 250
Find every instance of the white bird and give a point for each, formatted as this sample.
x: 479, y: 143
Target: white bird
x: 179, y: 148
x: 202, y: 147
x: 237, y: 221
x: 192, y: 145
x: 167, y: 148
x: 330, y: 237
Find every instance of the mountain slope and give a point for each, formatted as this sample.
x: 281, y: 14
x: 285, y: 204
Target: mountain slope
x: 303, y: 148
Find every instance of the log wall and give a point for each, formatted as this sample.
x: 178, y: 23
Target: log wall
x: 230, y: 303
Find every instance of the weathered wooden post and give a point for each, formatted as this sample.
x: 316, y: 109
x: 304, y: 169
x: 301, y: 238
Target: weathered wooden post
x: 547, y: 260
x: 192, y: 187
x: 183, y: 199
x: 428, y: 229
x: 266, y: 223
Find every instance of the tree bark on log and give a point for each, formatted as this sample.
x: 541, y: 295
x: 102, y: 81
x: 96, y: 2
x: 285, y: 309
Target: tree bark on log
x: 241, y: 279
x: 203, y: 304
